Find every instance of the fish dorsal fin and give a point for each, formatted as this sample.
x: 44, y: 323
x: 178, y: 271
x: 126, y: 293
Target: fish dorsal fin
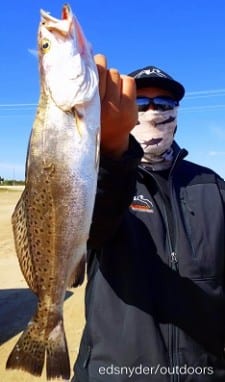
x: 19, y: 223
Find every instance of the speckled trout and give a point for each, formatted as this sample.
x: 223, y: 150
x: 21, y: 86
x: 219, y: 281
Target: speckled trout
x: 52, y: 219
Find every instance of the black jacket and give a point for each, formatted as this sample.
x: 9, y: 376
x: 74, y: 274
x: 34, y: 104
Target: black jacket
x: 155, y: 306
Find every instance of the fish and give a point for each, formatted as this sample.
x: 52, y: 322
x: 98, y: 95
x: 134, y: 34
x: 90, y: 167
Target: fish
x: 52, y: 219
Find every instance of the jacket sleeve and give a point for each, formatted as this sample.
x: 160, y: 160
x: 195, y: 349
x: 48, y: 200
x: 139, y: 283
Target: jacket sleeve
x: 115, y: 190
x: 221, y: 184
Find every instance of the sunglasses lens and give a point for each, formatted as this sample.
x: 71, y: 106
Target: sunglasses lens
x: 143, y: 103
x: 164, y: 103
x: 160, y: 103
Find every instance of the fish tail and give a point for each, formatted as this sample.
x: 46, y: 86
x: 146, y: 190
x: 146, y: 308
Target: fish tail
x: 28, y: 353
x: 57, y: 360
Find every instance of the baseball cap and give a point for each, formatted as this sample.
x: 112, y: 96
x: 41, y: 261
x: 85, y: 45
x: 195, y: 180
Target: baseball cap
x: 153, y: 76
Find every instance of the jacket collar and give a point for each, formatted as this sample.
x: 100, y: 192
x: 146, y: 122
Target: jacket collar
x: 179, y: 154
x: 177, y: 150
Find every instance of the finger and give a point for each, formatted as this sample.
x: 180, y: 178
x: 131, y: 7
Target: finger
x: 128, y: 98
x: 100, y: 59
x: 128, y: 88
x: 101, y: 64
x: 113, y: 87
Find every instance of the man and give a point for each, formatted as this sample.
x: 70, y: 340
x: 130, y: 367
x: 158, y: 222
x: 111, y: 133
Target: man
x: 155, y: 308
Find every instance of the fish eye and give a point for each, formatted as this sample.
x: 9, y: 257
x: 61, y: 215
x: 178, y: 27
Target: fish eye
x: 45, y: 45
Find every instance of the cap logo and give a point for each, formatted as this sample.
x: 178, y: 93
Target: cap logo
x: 149, y: 72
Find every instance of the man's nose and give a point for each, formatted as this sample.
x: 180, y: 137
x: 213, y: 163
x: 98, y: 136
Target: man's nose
x: 151, y: 106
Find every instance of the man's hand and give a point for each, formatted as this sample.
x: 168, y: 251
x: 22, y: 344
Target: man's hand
x: 118, y: 108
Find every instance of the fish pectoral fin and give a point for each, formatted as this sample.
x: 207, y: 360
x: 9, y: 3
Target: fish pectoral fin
x: 78, y: 117
x: 19, y: 224
x: 97, y: 151
x: 78, y: 274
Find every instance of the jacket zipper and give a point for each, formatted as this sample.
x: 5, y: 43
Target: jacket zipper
x: 173, y: 349
x: 173, y: 263
x: 174, y: 267
x: 172, y: 329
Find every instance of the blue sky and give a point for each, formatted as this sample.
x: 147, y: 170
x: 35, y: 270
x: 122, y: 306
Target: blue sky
x: 184, y: 38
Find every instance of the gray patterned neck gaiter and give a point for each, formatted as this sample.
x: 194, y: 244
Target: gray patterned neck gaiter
x: 155, y: 133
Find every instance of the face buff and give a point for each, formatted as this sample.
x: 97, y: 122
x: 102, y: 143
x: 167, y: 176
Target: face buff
x: 155, y: 132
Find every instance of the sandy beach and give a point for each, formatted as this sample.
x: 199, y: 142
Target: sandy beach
x: 17, y: 302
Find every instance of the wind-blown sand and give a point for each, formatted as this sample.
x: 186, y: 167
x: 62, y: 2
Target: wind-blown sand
x: 17, y: 302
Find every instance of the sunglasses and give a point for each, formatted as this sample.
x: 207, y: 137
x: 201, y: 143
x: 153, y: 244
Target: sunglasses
x: 159, y: 103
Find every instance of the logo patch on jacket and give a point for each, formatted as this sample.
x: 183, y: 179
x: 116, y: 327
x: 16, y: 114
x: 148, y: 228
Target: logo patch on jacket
x: 142, y: 204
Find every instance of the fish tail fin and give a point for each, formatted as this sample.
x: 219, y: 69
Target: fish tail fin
x: 57, y: 360
x: 28, y: 353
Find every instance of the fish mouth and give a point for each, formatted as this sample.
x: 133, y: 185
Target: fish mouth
x: 62, y: 25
